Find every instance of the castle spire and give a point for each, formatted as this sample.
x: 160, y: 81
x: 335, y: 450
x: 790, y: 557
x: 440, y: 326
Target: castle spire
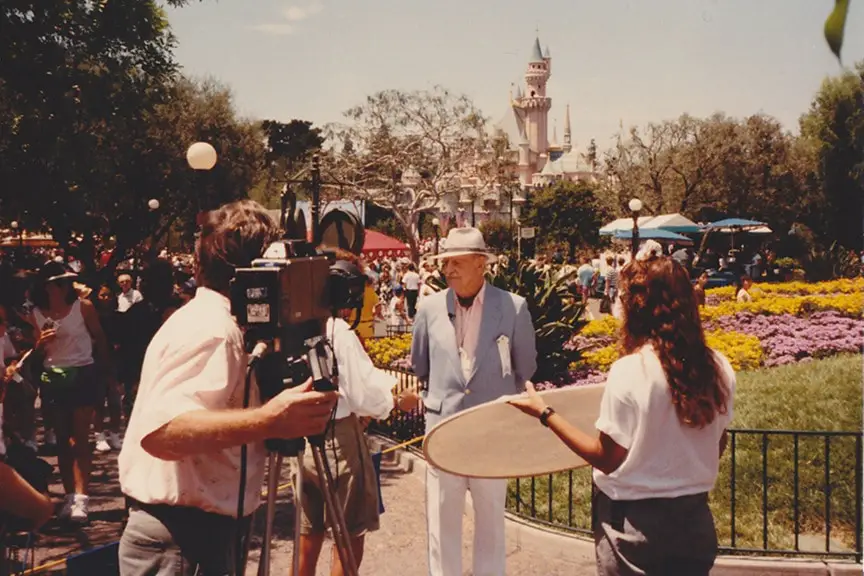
x: 537, y: 52
x: 568, y: 142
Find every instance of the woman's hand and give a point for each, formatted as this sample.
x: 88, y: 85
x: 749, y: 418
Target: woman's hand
x: 530, y: 402
x: 45, y: 336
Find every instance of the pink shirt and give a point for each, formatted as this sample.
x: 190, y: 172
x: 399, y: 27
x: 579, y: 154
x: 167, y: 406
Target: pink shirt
x: 468, y: 324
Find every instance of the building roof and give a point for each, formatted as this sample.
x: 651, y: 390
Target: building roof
x: 511, y: 126
x: 537, y: 52
x: 569, y: 163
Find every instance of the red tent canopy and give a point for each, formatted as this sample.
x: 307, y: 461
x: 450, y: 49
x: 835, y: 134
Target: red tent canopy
x: 378, y: 245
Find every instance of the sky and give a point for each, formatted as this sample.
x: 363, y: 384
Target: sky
x: 613, y: 61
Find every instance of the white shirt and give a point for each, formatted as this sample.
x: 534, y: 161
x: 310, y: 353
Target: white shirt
x: 73, y: 346
x: 196, y: 361
x: 125, y: 300
x: 364, y: 390
x: 666, y: 459
x: 411, y: 281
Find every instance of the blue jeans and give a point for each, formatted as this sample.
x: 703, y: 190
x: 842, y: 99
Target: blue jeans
x: 176, y: 541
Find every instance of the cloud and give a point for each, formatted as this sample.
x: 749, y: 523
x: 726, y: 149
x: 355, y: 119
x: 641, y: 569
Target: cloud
x: 290, y: 15
x: 274, y: 29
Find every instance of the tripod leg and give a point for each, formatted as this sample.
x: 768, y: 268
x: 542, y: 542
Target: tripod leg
x: 273, y: 469
x: 341, y: 538
x: 298, y: 499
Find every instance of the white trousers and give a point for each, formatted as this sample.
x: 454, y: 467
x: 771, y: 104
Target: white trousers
x: 445, y: 506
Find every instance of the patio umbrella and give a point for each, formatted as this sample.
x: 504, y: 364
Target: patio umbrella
x: 735, y: 224
x: 649, y: 234
x: 622, y: 224
x: 673, y: 223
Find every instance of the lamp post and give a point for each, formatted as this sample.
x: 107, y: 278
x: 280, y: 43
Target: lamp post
x: 436, y: 225
x: 201, y: 156
x: 19, y: 232
x: 635, y: 206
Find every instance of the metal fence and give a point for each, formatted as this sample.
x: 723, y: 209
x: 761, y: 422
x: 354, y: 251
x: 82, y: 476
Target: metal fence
x: 779, y: 492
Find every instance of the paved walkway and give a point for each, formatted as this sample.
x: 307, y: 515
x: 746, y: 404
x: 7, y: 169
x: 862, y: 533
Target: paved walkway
x: 398, y: 548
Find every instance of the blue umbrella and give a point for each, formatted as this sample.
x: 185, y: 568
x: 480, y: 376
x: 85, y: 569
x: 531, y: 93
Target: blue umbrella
x: 652, y: 234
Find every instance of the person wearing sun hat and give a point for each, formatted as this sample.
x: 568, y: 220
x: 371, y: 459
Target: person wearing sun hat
x: 472, y: 343
x: 74, y: 354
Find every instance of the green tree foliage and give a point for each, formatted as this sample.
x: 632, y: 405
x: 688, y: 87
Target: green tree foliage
x: 554, y: 311
x: 833, y: 130
x: 499, y: 235
x: 567, y: 212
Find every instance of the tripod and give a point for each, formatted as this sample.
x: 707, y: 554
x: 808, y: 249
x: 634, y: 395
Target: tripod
x: 336, y: 519
x: 296, y: 449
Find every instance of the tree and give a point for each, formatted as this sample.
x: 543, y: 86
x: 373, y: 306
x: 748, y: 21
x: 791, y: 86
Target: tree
x: 498, y: 234
x: 407, y: 151
x: 833, y: 130
x: 73, y: 76
x: 289, y: 147
x: 567, y: 212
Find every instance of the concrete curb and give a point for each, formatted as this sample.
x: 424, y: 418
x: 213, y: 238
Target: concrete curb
x: 413, y: 463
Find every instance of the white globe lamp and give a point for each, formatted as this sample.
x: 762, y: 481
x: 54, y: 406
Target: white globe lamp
x: 153, y: 204
x: 635, y: 205
x: 201, y: 156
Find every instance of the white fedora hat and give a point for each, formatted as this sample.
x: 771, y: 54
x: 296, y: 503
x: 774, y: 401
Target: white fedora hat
x: 463, y: 242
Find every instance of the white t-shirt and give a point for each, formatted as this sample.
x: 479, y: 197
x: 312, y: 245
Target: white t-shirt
x: 666, y: 459
x: 411, y: 281
x: 196, y: 361
x: 125, y: 300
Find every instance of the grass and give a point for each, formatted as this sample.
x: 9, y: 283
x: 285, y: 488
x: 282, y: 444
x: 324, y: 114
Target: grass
x: 822, y: 395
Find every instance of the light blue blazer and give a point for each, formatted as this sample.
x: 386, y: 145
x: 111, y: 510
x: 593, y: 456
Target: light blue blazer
x: 435, y: 352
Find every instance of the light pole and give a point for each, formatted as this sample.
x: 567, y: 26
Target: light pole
x: 200, y: 156
x: 436, y: 225
x: 635, y: 206
x: 19, y: 232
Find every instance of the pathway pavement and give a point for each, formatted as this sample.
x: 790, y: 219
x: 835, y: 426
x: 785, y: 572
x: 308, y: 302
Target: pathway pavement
x: 398, y: 548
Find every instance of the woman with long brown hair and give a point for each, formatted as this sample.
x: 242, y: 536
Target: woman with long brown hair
x: 662, y: 430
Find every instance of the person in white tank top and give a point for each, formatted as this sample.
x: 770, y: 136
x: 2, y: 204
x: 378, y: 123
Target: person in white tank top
x: 662, y: 429
x: 74, y: 354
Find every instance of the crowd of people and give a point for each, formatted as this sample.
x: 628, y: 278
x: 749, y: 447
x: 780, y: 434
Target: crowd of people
x: 162, y: 352
x: 75, y: 341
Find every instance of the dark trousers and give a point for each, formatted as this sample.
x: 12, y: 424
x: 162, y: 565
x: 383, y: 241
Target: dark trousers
x: 411, y: 298
x: 177, y: 541
x: 655, y: 536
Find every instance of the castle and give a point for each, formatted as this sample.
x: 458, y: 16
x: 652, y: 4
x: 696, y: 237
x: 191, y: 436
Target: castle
x: 530, y: 157
x: 526, y: 127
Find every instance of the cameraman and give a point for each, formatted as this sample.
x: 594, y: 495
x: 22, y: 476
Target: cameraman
x: 364, y: 392
x: 180, y: 464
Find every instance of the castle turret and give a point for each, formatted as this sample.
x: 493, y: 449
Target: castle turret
x: 535, y: 102
x: 568, y: 141
x: 524, y: 162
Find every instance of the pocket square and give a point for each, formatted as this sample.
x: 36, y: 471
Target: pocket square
x: 504, y: 353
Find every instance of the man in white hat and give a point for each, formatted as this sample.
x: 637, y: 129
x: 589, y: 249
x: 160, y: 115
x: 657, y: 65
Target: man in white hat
x: 472, y: 343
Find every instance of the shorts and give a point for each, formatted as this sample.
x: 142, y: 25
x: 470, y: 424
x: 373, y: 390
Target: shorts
x: 354, y: 478
x: 88, y: 391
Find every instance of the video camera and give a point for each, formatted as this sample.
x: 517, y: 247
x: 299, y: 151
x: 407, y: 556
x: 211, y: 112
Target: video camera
x: 286, y: 297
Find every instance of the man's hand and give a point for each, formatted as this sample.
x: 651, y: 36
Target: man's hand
x: 299, y: 411
x: 408, y: 400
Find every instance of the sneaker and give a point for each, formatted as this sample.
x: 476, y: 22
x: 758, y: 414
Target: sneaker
x: 66, y: 510
x: 78, y: 512
x: 102, y: 443
x: 114, y: 440
x: 50, y: 438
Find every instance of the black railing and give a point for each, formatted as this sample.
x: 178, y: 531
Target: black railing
x: 779, y: 492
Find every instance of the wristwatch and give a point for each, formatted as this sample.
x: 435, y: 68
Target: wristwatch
x: 544, y: 416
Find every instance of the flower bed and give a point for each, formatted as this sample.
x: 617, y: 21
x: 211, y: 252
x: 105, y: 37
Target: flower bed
x: 785, y: 323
